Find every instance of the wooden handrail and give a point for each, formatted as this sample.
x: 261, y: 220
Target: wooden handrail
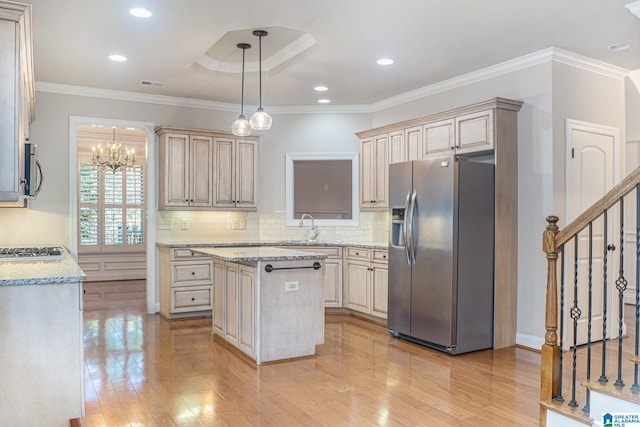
x: 595, y: 210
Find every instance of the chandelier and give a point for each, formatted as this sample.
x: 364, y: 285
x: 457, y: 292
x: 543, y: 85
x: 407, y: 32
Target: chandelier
x: 113, y: 156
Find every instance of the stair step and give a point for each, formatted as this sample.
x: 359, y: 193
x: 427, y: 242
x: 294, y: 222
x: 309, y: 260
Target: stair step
x: 564, y: 409
x: 609, y: 389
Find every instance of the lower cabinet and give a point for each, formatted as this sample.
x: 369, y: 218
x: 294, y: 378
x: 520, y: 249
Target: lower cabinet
x: 332, y: 272
x: 235, y: 305
x: 366, y: 283
x: 186, y: 283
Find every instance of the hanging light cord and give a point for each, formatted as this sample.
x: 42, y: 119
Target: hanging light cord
x: 260, y: 67
x: 244, y: 49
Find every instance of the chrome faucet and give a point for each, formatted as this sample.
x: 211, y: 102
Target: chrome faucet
x: 314, y: 228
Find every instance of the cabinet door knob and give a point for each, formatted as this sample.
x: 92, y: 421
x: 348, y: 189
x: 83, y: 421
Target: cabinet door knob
x: 193, y: 299
x: 611, y: 247
x: 193, y: 273
x: 453, y: 148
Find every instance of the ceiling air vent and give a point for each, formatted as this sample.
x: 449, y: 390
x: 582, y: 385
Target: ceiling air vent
x: 149, y: 83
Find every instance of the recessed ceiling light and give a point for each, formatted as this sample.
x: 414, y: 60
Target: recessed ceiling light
x: 324, y: 101
x: 320, y: 88
x: 385, y: 61
x: 117, y: 58
x: 140, y: 12
x: 617, y: 47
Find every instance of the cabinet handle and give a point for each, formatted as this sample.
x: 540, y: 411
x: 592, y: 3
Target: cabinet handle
x: 384, y: 257
x: 193, y: 298
x: 453, y: 148
x: 193, y: 273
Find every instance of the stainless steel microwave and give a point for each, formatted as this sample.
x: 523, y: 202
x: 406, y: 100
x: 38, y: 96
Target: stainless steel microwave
x: 32, y: 171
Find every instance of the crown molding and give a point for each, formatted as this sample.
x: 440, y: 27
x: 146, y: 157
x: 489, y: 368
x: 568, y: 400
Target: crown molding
x: 588, y: 64
x: 516, y: 64
x: 193, y: 103
x: 548, y: 55
x: 634, y: 8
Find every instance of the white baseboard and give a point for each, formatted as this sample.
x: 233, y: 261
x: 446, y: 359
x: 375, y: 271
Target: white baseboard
x: 531, y: 341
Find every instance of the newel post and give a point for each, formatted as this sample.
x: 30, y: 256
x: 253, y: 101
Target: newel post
x: 550, y: 352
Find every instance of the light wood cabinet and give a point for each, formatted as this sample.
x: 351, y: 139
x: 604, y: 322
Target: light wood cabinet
x: 374, y: 178
x: 206, y: 170
x: 413, y: 142
x: 439, y: 138
x: 186, y: 283
x: 187, y: 177
x: 17, y: 93
x: 405, y: 145
x: 474, y: 132
x: 366, y: 283
x: 219, y: 314
x: 332, y: 271
x: 235, y: 173
x: 235, y: 305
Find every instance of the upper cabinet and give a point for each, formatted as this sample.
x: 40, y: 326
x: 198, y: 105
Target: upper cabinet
x: 205, y: 170
x: 235, y: 173
x: 374, y: 172
x: 16, y: 98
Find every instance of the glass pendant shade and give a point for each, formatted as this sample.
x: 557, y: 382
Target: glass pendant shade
x: 241, y: 127
x: 260, y: 120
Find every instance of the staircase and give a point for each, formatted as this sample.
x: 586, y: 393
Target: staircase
x: 589, y: 365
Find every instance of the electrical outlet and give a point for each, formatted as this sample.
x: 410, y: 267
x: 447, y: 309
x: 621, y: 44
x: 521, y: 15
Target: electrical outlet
x: 292, y: 285
x: 243, y: 224
x: 184, y: 224
x: 236, y: 224
x: 166, y: 224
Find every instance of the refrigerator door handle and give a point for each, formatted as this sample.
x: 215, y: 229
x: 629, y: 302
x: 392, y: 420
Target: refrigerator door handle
x: 412, y: 249
x: 405, y: 236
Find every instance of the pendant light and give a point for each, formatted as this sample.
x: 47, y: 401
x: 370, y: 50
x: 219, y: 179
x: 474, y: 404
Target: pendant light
x: 260, y: 120
x: 241, y: 126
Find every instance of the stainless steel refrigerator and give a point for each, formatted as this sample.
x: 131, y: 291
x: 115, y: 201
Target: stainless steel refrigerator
x: 441, y: 253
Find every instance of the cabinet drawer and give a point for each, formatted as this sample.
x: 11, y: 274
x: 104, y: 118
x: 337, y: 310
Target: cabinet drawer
x: 380, y: 255
x: 192, y: 299
x: 185, y: 254
x: 358, y: 253
x: 194, y: 273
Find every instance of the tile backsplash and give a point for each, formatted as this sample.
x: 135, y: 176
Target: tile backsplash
x: 262, y: 225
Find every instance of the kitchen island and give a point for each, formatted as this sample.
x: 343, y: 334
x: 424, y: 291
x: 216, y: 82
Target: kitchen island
x: 41, y: 361
x: 268, y: 302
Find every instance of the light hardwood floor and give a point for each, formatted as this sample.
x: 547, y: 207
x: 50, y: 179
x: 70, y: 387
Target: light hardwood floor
x: 142, y: 370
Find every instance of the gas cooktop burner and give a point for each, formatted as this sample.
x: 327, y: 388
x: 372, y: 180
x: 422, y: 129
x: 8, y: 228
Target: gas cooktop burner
x: 32, y: 253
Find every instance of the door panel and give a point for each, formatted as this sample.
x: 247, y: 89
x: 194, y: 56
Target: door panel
x: 399, y: 282
x: 591, y: 172
x: 433, y: 300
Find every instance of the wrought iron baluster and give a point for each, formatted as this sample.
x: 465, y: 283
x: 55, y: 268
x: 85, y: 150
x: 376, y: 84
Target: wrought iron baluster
x: 586, y: 407
x: 575, y: 315
x: 635, y: 387
x: 559, y: 397
x: 605, y: 248
x: 621, y: 286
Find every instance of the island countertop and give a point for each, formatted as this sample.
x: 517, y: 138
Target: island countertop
x: 21, y: 272
x: 257, y: 253
x: 193, y: 244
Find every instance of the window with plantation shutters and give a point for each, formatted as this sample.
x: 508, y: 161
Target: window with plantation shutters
x: 111, y: 203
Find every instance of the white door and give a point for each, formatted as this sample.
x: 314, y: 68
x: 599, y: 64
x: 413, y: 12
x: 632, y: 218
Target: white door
x: 592, y: 161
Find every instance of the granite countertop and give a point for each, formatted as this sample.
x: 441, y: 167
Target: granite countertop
x: 244, y: 244
x: 257, y: 253
x: 28, y: 272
